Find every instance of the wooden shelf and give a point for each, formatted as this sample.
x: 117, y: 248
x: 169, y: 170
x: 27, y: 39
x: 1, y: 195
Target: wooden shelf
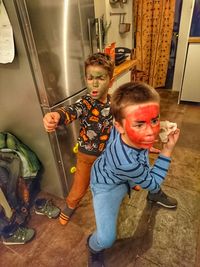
x: 194, y: 40
x: 126, y: 65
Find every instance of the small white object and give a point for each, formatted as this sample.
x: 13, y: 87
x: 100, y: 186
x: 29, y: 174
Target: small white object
x: 7, y: 49
x: 166, y: 127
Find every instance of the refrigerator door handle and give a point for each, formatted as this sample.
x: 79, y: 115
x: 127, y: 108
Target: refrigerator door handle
x: 99, y: 33
x: 98, y: 24
x: 90, y: 23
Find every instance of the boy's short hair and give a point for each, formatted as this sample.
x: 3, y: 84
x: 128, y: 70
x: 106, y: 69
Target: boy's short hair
x: 129, y: 94
x: 102, y: 60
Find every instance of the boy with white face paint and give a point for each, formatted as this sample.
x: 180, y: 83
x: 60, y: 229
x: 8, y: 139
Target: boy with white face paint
x: 124, y: 163
x: 93, y: 112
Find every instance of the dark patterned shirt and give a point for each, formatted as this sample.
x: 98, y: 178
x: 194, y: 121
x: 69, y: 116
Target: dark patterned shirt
x: 95, y: 123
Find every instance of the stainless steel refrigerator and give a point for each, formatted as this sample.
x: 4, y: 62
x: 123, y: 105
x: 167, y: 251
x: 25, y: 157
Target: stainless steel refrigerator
x: 52, y: 40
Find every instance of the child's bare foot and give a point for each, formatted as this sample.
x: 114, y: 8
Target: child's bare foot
x: 137, y: 188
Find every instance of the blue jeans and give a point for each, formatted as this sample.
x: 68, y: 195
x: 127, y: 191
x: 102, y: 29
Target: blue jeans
x: 106, y: 201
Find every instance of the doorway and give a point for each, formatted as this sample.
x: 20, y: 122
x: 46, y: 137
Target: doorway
x: 174, y: 42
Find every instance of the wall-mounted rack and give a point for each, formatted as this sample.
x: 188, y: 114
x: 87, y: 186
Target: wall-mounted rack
x: 117, y: 13
x: 123, y: 27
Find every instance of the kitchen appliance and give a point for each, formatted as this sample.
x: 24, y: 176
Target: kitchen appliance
x: 52, y: 42
x: 121, y: 54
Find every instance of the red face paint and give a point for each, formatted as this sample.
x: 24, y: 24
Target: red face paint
x: 142, y: 125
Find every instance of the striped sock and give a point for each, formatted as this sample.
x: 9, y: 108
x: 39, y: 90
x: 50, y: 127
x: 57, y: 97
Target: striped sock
x: 65, y: 215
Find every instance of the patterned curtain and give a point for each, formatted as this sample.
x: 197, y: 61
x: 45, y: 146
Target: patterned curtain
x: 153, y: 21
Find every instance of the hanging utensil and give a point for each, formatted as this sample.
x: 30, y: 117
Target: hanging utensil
x: 123, y: 27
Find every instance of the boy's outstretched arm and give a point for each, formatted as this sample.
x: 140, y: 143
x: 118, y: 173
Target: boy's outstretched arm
x: 51, y: 121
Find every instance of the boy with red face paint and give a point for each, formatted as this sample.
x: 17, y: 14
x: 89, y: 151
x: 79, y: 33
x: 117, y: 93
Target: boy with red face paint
x: 124, y: 163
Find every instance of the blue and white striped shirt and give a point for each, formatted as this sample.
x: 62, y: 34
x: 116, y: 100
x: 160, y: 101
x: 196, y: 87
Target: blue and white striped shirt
x: 120, y: 163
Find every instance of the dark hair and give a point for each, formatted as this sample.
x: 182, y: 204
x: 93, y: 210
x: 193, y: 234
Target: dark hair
x: 102, y: 60
x: 129, y: 94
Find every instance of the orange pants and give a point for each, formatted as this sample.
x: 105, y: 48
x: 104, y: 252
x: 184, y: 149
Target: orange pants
x: 81, y: 179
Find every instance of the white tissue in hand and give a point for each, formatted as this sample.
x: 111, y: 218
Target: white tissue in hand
x: 166, y: 127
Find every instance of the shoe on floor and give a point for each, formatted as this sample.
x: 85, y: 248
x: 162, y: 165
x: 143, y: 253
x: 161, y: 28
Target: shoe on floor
x: 46, y: 207
x: 65, y: 215
x: 162, y: 199
x: 95, y: 259
x: 21, y: 236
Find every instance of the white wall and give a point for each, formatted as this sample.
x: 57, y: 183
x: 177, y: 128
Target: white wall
x: 103, y: 7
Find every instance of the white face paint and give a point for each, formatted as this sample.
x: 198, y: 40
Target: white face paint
x: 98, y: 82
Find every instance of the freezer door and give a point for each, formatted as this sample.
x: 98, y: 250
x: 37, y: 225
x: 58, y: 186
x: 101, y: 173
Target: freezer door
x: 64, y: 143
x: 57, y: 34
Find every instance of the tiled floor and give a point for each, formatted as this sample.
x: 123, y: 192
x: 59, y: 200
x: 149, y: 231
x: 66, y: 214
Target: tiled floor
x: 148, y: 236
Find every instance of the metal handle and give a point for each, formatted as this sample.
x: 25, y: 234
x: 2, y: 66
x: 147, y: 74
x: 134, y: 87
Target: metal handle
x: 90, y: 21
x: 99, y: 33
x: 117, y: 13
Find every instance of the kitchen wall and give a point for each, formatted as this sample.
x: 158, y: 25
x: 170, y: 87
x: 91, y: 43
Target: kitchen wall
x: 104, y: 7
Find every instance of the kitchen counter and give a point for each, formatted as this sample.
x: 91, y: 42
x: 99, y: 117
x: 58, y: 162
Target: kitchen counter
x: 122, y: 74
x: 125, y: 66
